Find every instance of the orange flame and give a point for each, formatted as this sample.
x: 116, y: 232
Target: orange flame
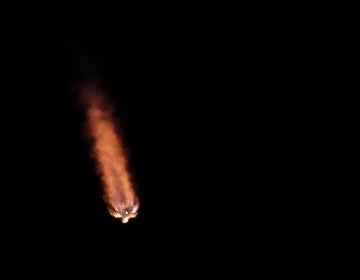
x: 109, y: 154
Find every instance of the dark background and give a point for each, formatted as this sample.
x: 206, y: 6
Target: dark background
x: 196, y: 124
x: 158, y: 78
x: 213, y: 117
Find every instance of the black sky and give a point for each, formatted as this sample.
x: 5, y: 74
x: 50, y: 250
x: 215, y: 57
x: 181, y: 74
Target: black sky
x: 194, y: 119
x: 211, y: 109
x: 152, y: 74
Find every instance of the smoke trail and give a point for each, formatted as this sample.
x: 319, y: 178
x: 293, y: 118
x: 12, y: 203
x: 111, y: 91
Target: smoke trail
x: 109, y: 154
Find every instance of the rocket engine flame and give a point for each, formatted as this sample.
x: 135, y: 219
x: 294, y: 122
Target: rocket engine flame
x: 109, y: 154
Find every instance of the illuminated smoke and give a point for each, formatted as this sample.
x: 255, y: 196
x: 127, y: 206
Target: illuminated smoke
x: 109, y: 154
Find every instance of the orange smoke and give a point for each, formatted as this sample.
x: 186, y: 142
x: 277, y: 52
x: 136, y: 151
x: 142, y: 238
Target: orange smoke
x: 109, y: 154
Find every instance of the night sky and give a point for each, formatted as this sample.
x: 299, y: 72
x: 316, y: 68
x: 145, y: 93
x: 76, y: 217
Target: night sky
x: 155, y: 77
x: 195, y: 123
x: 212, y: 117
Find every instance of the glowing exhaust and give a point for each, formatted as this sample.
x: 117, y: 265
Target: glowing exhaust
x: 109, y: 154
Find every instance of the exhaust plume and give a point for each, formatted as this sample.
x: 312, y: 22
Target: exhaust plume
x: 109, y: 154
